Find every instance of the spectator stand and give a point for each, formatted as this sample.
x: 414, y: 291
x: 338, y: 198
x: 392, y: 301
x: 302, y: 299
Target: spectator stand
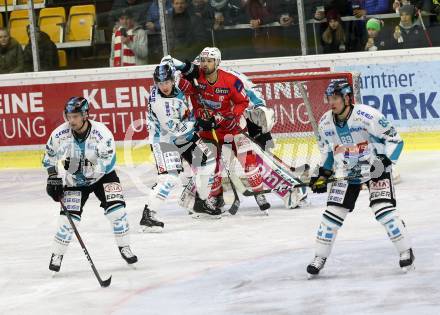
x: 390, y: 20
x: 13, y: 5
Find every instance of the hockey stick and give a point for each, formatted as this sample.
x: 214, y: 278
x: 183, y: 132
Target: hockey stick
x: 428, y: 38
x: 321, y: 182
x: 236, y: 204
x: 103, y: 283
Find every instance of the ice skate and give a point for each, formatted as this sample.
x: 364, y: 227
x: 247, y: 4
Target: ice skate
x: 217, y: 201
x: 406, y: 261
x: 262, y: 203
x: 55, y: 262
x: 205, y: 209
x: 127, y: 255
x: 148, y: 223
x: 315, y: 266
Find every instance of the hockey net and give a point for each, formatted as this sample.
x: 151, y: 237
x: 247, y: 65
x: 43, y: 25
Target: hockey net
x: 299, y: 103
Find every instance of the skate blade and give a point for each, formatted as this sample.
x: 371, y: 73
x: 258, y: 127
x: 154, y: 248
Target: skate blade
x: 147, y: 229
x: 265, y: 213
x: 53, y: 274
x: 408, y: 268
x: 310, y: 276
x: 205, y: 216
x: 132, y: 266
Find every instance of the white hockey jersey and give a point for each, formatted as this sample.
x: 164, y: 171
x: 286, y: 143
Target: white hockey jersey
x: 84, y: 162
x: 169, y: 118
x: 349, y: 149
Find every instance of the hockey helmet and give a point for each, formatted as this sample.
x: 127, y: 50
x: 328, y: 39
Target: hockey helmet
x: 76, y: 104
x: 163, y: 72
x: 339, y: 87
x: 212, y: 52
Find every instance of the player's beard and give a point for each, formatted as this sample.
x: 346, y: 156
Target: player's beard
x: 209, y: 71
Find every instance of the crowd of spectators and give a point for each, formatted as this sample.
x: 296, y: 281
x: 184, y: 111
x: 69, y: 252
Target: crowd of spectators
x: 246, y: 28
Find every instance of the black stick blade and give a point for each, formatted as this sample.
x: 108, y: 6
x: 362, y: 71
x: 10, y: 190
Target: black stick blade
x: 106, y: 283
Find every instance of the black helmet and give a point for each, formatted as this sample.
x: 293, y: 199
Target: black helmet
x: 339, y: 87
x: 76, y: 104
x: 163, y: 73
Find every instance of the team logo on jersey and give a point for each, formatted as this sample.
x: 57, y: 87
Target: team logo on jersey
x: 219, y: 90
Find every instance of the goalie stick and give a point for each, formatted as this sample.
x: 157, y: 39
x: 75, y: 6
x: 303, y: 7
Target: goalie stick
x: 103, y: 283
x: 248, y: 193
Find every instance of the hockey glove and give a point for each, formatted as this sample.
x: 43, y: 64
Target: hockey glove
x: 205, y: 125
x: 226, y: 123
x: 318, y: 184
x: 54, y: 187
x: 379, y: 165
x: 190, y: 71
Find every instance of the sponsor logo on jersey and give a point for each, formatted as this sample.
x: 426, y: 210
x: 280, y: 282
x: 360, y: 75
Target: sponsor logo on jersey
x: 220, y: 91
x: 350, y: 151
x: 391, y: 132
x: 356, y: 129
x: 62, y: 132
x: 97, y: 134
x: 112, y: 188
x: 380, y: 185
x: 329, y: 133
x: 202, y: 86
x: 365, y: 114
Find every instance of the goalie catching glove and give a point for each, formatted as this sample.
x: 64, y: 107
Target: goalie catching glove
x: 262, y: 116
x: 318, y: 184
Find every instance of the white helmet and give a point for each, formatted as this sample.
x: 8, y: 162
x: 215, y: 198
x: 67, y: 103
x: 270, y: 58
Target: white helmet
x: 212, y: 52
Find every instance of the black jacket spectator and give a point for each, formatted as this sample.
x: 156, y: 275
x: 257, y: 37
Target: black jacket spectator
x: 409, y: 33
x: 179, y: 31
x: 202, y: 21
x: 333, y: 38
x: 47, y: 52
x: 138, y: 6
x: 11, y: 54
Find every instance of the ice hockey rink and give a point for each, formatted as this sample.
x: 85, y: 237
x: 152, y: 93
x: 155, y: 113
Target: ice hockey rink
x: 243, y: 264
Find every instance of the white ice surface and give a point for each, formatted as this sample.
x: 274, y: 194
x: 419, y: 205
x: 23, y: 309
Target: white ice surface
x: 246, y: 264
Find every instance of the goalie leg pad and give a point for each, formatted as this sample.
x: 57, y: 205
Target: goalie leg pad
x: 204, y: 180
x: 119, y: 222
x: 388, y: 216
x: 293, y: 199
x: 332, y: 220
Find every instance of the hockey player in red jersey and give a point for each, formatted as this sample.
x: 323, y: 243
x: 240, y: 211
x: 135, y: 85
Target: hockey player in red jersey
x: 219, y: 100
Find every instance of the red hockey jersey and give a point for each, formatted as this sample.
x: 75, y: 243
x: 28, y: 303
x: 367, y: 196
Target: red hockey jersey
x: 226, y: 96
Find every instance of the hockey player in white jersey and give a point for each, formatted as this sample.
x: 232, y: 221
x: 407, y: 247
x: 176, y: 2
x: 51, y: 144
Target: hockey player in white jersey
x: 86, y: 150
x: 357, y: 142
x: 172, y: 135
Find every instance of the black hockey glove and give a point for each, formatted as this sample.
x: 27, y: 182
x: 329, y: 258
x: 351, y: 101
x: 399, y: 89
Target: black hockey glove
x: 205, y: 125
x: 379, y: 165
x: 318, y: 184
x: 190, y: 71
x: 54, y: 187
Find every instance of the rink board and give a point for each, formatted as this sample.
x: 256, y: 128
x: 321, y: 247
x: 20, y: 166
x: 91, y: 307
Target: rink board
x: 414, y: 141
